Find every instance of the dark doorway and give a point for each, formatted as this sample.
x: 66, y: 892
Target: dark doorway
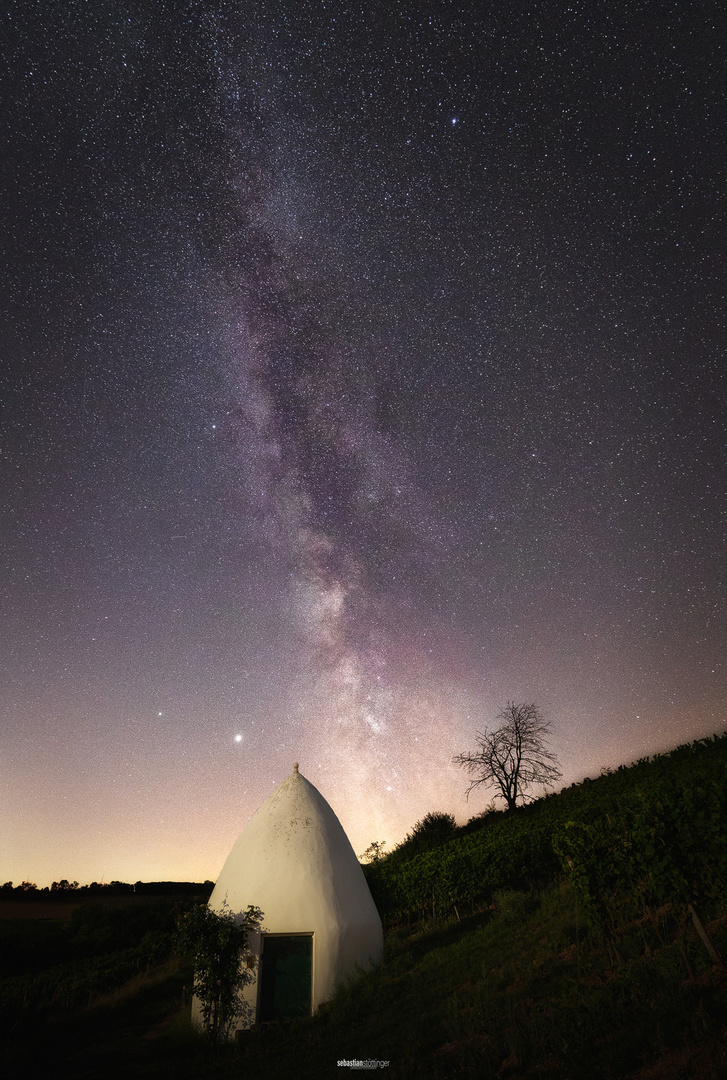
x: 287, y: 965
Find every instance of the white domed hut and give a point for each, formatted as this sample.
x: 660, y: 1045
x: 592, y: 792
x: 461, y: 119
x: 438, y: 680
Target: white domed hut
x: 320, y: 924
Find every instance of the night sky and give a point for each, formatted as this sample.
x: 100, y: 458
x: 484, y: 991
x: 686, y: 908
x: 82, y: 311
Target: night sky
x: 362, y: 370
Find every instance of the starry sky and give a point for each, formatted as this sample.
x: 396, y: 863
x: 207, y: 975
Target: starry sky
x: 362, y: 370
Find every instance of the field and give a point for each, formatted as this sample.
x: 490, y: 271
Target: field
x: 582, y: 938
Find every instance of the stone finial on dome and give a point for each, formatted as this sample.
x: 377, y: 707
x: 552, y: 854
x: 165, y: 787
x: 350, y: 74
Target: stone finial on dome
x: 295, y: 766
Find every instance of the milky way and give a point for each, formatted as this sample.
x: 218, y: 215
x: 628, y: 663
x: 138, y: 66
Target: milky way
x: 363, y: 371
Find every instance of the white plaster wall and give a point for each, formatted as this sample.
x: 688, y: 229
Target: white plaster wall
x: 294, y: 860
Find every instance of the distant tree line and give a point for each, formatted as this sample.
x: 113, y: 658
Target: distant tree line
x: 64, y: 889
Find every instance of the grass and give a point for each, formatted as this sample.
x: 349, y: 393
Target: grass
x: 526, y: 989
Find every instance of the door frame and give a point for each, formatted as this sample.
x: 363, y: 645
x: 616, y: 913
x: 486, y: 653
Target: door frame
x: 278, y: 934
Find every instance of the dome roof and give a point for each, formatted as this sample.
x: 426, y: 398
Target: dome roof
x: 294, y: 861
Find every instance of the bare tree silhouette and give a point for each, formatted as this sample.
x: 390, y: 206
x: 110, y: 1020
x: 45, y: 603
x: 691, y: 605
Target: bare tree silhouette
x: 514, y: 756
